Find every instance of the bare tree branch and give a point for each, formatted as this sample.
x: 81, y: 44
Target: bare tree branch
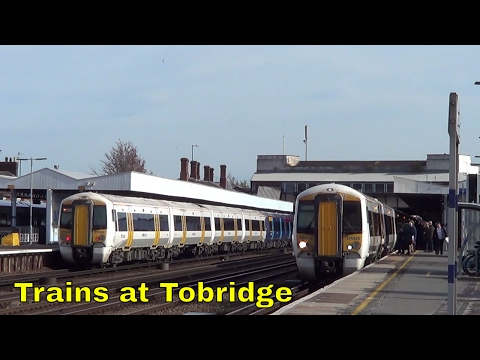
x: 123, y: 157
x: 233, y: 182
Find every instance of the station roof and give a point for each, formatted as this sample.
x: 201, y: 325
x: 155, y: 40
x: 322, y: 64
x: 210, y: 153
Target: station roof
x: 54, y: 179
x: 350, y: 177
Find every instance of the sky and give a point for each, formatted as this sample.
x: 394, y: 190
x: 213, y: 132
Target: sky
x: 71, y: 104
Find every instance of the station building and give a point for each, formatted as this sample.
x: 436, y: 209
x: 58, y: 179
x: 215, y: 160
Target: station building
x: 51, y: 186
x: 416, y: 187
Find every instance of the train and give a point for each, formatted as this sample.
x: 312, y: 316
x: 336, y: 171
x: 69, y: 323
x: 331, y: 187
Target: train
x: 338, y: 230
x: 105, y: 230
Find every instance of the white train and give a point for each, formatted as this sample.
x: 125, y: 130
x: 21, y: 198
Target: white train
x: 103, y: 229
x: 339, y: 230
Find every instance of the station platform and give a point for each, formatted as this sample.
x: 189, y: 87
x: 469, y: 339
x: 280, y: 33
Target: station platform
x: 395, y: 285
x: 27, y: 249
x: 25, y: 258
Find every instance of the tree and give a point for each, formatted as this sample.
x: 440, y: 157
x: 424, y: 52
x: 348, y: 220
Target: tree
x: 233, y: 182
x: 123, y: 157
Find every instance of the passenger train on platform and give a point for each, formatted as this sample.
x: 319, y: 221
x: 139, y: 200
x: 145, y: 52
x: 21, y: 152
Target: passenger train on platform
x: 339, y: 230
x: 104, y: 229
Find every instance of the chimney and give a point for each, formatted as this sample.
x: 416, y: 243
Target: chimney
x: 184, y: 169
x: 206, y: 173
x: 223, y: 176
x: 198, y: 171
x: 193, y: 169
x: 211, y: 174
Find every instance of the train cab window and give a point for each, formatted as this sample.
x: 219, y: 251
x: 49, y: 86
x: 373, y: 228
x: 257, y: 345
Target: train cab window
x: 193, y: 223
x: 122, y: 221
x: 163, y: 222
x: 255, y: 225
x: 99, y: 217
x: 66, y: 217
x: 306, y: 217
x: 217, y: 224
x: 207, y: 223
x: 352, y: 217
x: 177, y: 222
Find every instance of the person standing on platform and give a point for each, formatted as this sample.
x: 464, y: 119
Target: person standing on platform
x: 414, y: 237
x: 429, y: 237
x: 439, y: 236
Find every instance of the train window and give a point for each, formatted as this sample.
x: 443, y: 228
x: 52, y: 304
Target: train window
x: 239, y: 224
x: 352, y: 217
x: 143, y: 222
x: 65, y: 217
x: 370, y: 222
x: 376, y: 220
x: 193, y: 223
x: 388, y: 225
x: 99, y: 217
x: 163, y: 222
x: 228, y: 224
x: 255, y: 225
x: 122, y: 221
x: 306, y: 217
x: 207, y: 223
x: 217, y: 224
x: 177, y: 222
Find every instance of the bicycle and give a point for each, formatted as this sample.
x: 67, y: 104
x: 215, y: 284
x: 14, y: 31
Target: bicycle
x: 469, y: 265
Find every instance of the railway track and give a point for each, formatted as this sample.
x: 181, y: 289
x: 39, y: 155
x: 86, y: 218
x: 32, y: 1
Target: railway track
x: 298, y: 292
x: 7, y: 281
x: 115, y: 287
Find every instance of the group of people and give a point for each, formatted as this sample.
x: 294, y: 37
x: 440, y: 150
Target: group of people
x: 434, y: 237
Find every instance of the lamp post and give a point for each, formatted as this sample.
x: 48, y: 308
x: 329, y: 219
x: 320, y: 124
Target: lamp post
x: 192, y: 150
x: 31, y: 195
x: 19, y: 164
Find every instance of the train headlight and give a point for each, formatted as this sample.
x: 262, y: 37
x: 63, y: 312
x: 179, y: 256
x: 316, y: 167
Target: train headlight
x: 354, y: 246
x: 302, y: 244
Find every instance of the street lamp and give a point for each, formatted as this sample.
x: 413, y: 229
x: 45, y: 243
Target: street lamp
x: 477, y: 83
x: 192, y: 150
x: 20, y: 164
x: 31, y: 195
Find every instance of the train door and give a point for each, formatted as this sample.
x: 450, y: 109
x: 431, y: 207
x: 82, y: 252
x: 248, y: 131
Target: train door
x: 130, y: 227
x: 82, y: 212
x: 268, y: 228
x: 328, y: 228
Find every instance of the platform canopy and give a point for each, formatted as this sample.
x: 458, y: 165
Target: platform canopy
x: 134, y: 182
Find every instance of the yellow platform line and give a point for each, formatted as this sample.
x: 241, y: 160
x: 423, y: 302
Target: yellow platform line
x: 368, y: 300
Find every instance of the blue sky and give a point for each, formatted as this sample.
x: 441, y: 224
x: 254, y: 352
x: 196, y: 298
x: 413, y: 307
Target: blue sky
x: 71, y: 103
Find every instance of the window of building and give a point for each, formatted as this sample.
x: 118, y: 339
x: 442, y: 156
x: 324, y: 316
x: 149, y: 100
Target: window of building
x: 289, y: 187
x: 368, y: 188
x: 390, y: 188
x: 357, y: 186
x: 301, y: 187
x: 379, y: 188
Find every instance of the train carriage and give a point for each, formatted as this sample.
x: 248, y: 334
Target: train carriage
x: 105, y: 229
x: 339, y: 230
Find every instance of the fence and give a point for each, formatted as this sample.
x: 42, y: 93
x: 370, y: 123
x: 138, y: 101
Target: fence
x: 24, y: 234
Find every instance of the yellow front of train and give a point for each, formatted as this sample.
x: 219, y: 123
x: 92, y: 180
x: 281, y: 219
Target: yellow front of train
x: 83, y: 229
x: 328, y: 231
